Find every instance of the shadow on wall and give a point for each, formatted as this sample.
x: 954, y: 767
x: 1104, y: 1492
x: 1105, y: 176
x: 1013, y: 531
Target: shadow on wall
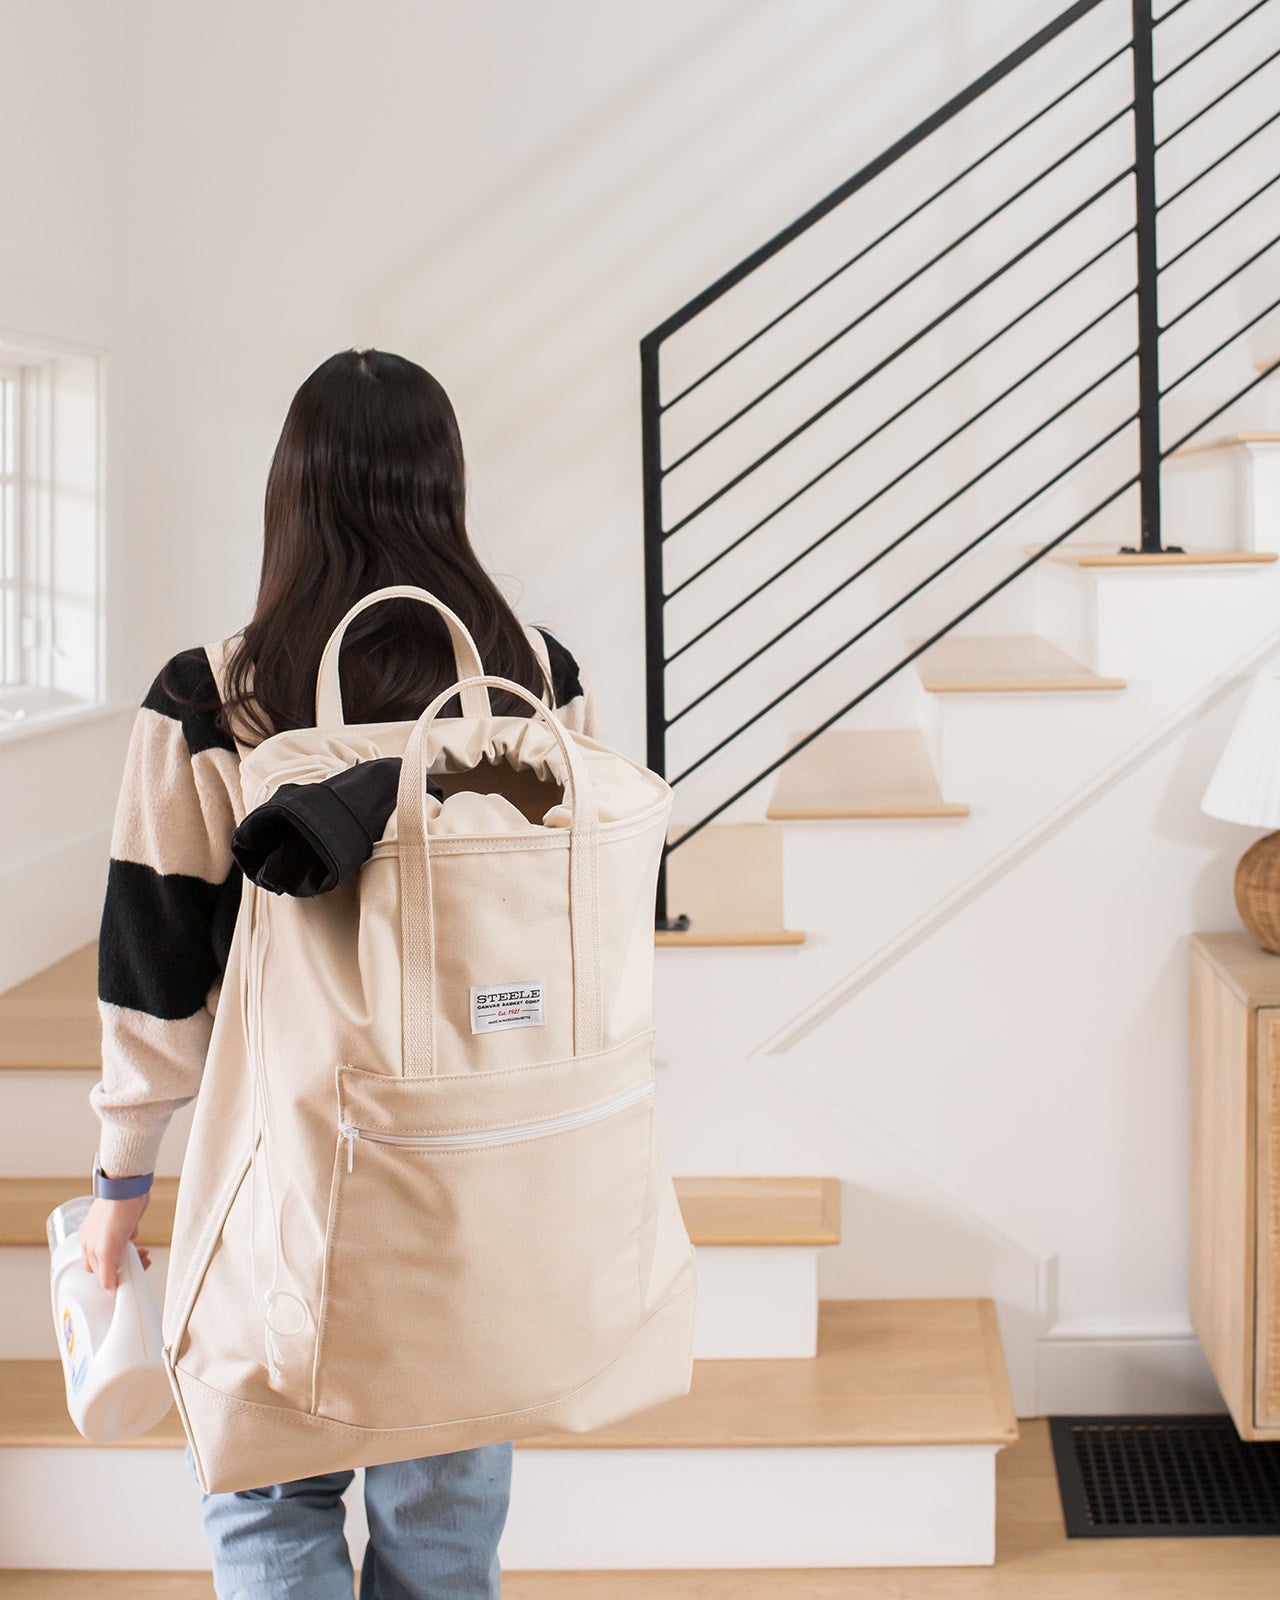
x: 616, y: 224
x: 897, y: 1247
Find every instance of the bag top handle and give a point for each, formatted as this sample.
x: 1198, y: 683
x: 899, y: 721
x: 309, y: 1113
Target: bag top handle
x: 466, y: 658
x: 417, y: 927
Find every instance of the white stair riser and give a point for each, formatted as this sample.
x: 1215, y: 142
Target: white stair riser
x: 26, y: 1316
x: 1227, y: 497
x: 753, y: 1301
x: 756, y: 1300
x: 49, y: 1129
x: 123, y: 1508
x: 575, y: 1508
x: 918, y: 1505
x: 1157, y: 625
x: 1066, y: 616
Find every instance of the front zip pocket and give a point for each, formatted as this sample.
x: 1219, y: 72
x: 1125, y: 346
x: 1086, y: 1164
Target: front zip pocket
x: 467, y: 1137
x: 483, y: 1251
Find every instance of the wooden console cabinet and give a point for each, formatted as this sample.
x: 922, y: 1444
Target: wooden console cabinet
x: 1235, y: 1173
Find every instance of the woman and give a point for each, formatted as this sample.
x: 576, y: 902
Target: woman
x: 366, y: 488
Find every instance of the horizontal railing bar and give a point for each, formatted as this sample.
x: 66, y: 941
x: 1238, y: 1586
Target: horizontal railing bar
x: 1218, y: 349
x: 1209, y: 43
x: 1217, y: 100
x: 874, y: 168
x: 915, y: 338
x: 892, y: 294
x: 905, y: 662
x: 1213, y: 227
x: 1217, y: 161
x: 902, y: 410
x: 890, y: 231
x: 901, y: 539
x: 1221, y: 284
x: 905, y: 473
x: 1217, y: 412
x: 1172, y: 11
x: 910, y: 594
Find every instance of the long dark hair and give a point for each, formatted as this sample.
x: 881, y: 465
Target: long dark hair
x: 367, y: 488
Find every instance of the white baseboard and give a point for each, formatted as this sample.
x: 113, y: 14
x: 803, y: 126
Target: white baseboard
x: 1113, y: 1366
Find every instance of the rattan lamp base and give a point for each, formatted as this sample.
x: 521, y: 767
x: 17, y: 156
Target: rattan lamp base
x: 1258, y: 891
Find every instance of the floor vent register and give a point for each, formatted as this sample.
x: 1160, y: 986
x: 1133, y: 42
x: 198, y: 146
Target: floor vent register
x: 1168, y: 1477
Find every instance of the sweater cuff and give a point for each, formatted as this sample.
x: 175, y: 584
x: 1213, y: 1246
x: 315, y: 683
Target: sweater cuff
x: 125, y: 1152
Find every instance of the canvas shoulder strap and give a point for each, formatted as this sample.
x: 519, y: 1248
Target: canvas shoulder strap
x: 539, y: 644
x: 218, y: 651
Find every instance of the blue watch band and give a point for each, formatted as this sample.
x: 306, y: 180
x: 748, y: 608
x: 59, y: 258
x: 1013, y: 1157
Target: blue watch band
x: 105, y: 1188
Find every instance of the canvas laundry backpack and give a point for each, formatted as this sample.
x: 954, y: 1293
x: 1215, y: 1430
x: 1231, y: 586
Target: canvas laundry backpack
x: 424, y: 1204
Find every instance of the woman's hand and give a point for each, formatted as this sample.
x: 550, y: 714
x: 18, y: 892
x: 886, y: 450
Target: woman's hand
x: 107, y: 1228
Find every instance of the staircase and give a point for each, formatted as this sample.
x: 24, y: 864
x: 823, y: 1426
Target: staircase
x: 872, y: 446
x: 805, y: 1406
x: 961, y: 504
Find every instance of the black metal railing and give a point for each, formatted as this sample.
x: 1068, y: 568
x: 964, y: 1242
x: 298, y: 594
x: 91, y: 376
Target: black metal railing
x: 664, y: 455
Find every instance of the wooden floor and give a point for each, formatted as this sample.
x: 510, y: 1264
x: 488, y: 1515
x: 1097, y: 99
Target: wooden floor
x: 1034, y: 1561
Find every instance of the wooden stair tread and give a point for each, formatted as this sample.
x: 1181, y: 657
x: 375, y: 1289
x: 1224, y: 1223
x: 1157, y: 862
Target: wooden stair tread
x: 887, y: 1372
x: 980, y: 663
x: 764, y: 1210
x: 1109, y: 555
x: 728, y: 879
x: 33, y: 1411
x: 51, y: 1020
x: 730, y: 1210
x: 1226, y: 441
x: 848, y: 773
x: 26, y: 1202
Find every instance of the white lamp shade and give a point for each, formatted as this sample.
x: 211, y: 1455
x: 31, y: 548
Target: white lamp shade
x: 1245, y: 786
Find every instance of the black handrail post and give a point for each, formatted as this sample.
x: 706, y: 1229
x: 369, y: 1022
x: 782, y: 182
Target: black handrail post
x: 1144, y: 172
x: 654, y: 641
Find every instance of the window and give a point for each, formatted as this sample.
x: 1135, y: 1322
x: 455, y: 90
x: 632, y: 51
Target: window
x: 50, y: 534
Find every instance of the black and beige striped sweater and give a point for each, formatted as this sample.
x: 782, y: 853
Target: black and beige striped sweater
x: 172, y: 895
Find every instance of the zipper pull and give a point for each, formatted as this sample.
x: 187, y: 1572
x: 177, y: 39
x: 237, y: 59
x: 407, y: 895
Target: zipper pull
x: 350, y: 1133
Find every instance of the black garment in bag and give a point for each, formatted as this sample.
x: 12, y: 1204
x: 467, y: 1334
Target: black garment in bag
x: 308, y: 837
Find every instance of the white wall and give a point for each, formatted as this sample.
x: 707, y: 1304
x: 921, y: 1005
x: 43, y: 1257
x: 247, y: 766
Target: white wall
x: 63, y: 229
x: 512, y: 196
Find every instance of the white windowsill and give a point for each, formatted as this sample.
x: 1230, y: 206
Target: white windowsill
x: 52, y: 719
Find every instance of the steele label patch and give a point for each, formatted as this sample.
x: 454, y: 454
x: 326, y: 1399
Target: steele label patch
x: 513, y: 1005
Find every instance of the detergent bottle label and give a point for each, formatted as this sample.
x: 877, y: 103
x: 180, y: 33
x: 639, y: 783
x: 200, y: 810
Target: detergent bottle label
x: 75, y: 1346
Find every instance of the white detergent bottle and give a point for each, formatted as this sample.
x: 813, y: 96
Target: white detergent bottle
x: 117, y: 1384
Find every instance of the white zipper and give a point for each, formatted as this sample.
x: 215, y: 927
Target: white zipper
x: 350, y: 1131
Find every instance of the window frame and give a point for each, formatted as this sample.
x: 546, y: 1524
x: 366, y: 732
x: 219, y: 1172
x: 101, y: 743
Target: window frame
x: 52, y: 525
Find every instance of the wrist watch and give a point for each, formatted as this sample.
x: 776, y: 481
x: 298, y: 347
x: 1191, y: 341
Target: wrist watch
x: 105, y: 1188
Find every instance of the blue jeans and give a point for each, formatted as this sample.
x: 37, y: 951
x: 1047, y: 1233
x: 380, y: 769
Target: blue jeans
x: 434, y: 1526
